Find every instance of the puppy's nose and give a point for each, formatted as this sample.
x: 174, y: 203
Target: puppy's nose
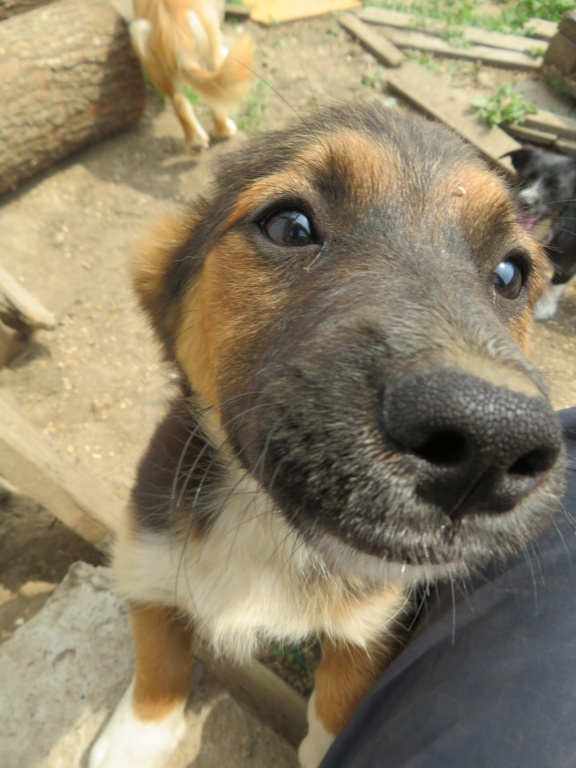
x: 477, y: 447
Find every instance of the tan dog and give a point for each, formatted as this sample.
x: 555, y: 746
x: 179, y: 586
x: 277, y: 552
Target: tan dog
x: 347, y: 313
x: 179, y: 43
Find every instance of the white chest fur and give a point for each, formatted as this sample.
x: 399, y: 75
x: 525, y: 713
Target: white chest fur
x: 251, y: 579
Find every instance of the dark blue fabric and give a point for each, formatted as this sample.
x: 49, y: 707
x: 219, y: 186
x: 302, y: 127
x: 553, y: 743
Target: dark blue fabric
x: 488, y: 679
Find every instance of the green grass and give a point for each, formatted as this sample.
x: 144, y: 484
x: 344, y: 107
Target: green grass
x: 503, y: 105
x: 512, y: 15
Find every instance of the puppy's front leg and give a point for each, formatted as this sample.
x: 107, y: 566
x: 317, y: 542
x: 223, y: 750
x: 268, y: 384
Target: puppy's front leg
x: 149, y: 721
x: 343, y: 677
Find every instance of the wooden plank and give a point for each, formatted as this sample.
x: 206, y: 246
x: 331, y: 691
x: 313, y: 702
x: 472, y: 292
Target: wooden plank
x: 408, y: 21
x: 237, y: 10
x: 268, y: 695
x: 19, y: 309
x: 530, y: 134
x: 451, y: 106
x: 383, y: 50
x: 542, y: 29
x: 565, y: 145
x: 492, y: 56
x: 30, y: 461
x: 277, y: 11
x: 552, y: 122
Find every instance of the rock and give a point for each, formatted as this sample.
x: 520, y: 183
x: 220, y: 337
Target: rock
x: 64, y: 671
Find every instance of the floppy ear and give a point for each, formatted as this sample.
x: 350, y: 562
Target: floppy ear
x: 156, y: 276
x: 519, y: 157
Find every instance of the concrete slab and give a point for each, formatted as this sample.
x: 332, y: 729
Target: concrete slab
x: 63, y: 672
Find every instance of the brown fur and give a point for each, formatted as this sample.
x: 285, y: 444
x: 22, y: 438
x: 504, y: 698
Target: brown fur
x: 162, y: 644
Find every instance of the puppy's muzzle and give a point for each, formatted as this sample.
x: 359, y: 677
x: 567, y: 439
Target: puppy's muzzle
x: 477, y: 447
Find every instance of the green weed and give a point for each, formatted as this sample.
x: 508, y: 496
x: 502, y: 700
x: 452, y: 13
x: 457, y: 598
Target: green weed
x: 372, y: 77
x: 503, y: 105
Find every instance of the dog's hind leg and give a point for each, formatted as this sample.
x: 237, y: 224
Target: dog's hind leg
x: 343, y: 677
x: 149, y: 721
x: 195, y: 136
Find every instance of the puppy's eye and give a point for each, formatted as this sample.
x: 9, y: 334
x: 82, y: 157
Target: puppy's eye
x: 289, y: 228
x: 508, y: 279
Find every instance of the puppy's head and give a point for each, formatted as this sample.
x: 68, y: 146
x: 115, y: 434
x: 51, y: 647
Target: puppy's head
x: 352, y: 301
x: 547, y: 182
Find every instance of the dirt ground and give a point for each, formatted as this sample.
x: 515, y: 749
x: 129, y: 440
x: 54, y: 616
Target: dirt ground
x: 96, y: 384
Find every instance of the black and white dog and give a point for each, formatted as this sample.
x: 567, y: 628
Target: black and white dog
x: 548, y: 194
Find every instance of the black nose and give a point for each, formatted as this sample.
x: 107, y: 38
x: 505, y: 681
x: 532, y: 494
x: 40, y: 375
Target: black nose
x: 476, y: 447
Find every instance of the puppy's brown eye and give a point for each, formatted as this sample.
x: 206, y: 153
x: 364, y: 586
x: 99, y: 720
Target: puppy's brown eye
x: 508, y: 279
x: 289, y: 228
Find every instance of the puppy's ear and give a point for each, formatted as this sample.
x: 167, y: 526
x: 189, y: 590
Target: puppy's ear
x: 519, y: 157
x: 153, y: 261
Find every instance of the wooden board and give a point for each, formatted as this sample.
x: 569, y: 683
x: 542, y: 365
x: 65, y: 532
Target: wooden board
x: 532, y: 135
x: 552, y: 122
x: 382, y: 50
x: 542, y: 29
x: 492, y: 56
x: 451, y: 106
x: 237, y: 10
x: 19, y: 309
x: 30, y: 461
x: 276, y: 11
x: 476, y: 35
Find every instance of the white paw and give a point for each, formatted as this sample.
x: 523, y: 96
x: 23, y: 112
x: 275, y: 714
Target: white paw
x: 547, y: 305
x: 224, y: 131
x: 318, y: 740
x: 200, y: 140
x: 128, y: 741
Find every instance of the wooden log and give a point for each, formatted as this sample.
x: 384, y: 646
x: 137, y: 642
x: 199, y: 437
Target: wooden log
x: 492, y: 56
x: 14, y: 7
x: 382, y: 50
x: 566, y: 146
x: 476, y: 35
x: 430, y: 93
x: 68, y: 77
x: 19, y: 309
x: 30, y: 461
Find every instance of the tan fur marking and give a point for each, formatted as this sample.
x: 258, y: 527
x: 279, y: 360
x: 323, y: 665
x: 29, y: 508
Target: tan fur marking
x: 224, y: 312
x: 344, y: 676
x: 494, y: 373
x: 162, y: 643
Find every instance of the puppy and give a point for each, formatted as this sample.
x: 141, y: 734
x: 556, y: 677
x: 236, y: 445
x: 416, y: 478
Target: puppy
x: 347, y: 312
x: 548, y: 195
x: 179, y: 43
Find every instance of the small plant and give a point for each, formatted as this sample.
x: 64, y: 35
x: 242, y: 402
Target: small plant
x: 503, y: 105
x: 372, y: 77
x: 535, y: 51
x: 254, y: 108
x: 192, y: 96
x: 425, y: 60
x: 561, y: 87
x: 292, y: 654
x: 456, y: 37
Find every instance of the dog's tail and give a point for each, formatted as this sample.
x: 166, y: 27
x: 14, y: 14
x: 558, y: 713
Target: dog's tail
x: 226, y: 85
